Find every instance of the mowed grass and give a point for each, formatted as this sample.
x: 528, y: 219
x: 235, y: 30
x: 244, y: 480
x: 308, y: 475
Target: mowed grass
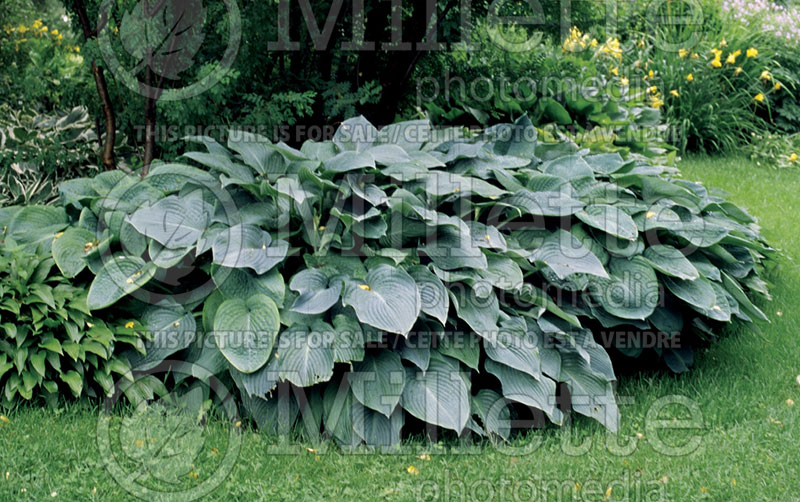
x: 745, y: 445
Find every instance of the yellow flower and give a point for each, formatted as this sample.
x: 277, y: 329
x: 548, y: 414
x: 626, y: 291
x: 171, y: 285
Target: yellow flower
x: 54, y: 31
x: 689, y: 77
x: 365, y: 287
x: 4, y: 419
x: 723, y: 43
x: 614, y: 71
x: 752, y: 52
x: 766, y: 76
x: 759, y: 97
x: 793, y: 157
x: 37, y: 23
x: 716, y: 63
x: 675, y: 93
x: 129, y: 324
x: 738, y: 70
x: 60, y: 36
x: 656, y: 102
x: 731, y: 59
x: 694, y: 55
x: 22, y: 29
x: 623, y: 81
x: 593, y: 43
x: 717, y: 53
x: 777, y: 86
x: 653, y: 89
x: 44, y: 29
x: 650, y: 74
x: 683, y: 53
x: 412, y: 470
x: 77, y: 49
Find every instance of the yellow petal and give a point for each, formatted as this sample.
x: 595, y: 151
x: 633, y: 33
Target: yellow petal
x: 365, y: 287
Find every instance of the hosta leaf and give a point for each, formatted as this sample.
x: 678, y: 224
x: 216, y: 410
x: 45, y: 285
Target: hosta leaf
x: 632, y: 292
x: 376, y: 429
x: 738, y: 293
x: 438, y: 396
x: 120, y: 276
x: 493, y: 410
x: 245, y: 331
x: 355, y: 134
x: 387, y: 299
x: 348, y: 161
x: 452, y: 250
x: 378, y: 381
x: 433, y: 294
x: 171, y: 328
x: 515, y: 347
x: 610, y: 220
x: 348, y: 341
x: 317, y: 292
x: 464, y: 346
x: 697, y: 293
x: 480, y: 314
x: 590, y: 385
x: 247, y: 246
x: 174, y: 221
x: 566, y: 255
x: 544, y: 203
x: 305, y: 356
x: 240, y: 283
x: 670, y: 261
x: 569, y: 167
x: 68, y: 250
x: 523, y: 388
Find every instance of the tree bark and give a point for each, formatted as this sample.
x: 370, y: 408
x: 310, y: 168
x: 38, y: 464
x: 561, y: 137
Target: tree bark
x: 102, y: 91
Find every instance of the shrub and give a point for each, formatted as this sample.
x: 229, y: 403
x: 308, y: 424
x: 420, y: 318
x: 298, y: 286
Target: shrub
x: 39, y: 150
x: 50, y: 342
x: 410, y: 274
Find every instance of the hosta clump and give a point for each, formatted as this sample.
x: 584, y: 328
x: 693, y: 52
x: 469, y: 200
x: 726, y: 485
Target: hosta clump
x: 50, y: 344
x: 411, y: 276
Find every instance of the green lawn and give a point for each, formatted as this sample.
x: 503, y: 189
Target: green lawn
x: 746, y: 449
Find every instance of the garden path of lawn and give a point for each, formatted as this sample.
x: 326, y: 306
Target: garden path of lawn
x: 747, y: 449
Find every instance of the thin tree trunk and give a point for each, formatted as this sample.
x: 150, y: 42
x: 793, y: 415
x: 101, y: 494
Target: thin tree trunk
x: 149, y: 121
x: 102, y: 91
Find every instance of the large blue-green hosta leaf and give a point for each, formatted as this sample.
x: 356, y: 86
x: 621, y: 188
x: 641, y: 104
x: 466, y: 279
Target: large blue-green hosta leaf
x: 438, y: 396
x: 378, y: 381
x: 174, y: 221
x: 245, y: 331
x: 305, y: 355
x: 566, y: 255
x: 247, y: 246
x: 387, y: 299
x: 119, y: 277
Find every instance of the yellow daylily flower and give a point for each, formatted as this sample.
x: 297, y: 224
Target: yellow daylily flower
x: 656, y: 102
x: 129, y: 324
x: 716, y: 63
x: 412, y: 470
x: 689, y: 77
x: 694, y: 55
x: 37, y: 23
x: 738, y: 70
x: 777, y: 86
x: 759, y: 97
x: 766, y: 76
x: 623, y: 81
x: 752, y: 52
x: 793, y: 157
x: 675, y: 93
x: 717, y: 53
x: 653, y: 89
x: 723, y: 43
x: 54, y: 31
x: 650, y: 74
x: 683, y: 53
x: 614, y: 71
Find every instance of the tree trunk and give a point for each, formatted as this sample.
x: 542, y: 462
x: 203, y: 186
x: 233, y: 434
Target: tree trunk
x: 102, y: 91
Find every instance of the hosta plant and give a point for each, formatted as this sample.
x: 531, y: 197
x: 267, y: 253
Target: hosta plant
x: 389, y: 280
x: 50, y: 344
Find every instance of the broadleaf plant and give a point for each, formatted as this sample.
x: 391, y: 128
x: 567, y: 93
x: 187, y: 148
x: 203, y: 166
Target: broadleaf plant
x: 408, y: 275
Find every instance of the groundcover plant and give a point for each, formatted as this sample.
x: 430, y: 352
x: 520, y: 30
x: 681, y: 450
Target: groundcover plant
x: 410, y: 277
